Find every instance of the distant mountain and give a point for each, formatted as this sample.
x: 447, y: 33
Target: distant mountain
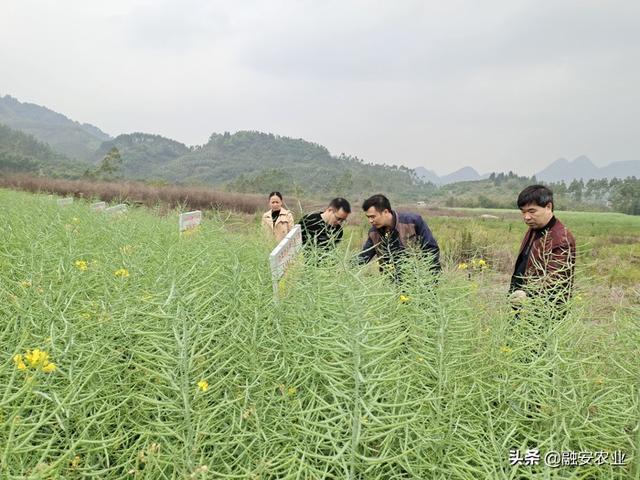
x: 628, y: 168
x: 465, y: 174
x: 561, y: 169
x: 142, y: 153
x: 40, y: 140
x: 427, y: 175
x: 253, y: 161
x: 583, y: 168
x: 73, y: 139
x: 22, y: 153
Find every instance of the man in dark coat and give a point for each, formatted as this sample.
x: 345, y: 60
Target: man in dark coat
x: 547, y: 257
x: 393, y: 234
x: 324, y: 229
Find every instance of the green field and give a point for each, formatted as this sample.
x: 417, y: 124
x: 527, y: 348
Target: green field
x: 167, y: 356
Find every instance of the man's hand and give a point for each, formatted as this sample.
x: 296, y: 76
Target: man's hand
x: 517, y: 297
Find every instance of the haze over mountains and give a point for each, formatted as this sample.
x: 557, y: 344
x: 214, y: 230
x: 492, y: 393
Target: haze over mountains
x: 560, y: 170
x: 250, y: 159
x: 73, y: 139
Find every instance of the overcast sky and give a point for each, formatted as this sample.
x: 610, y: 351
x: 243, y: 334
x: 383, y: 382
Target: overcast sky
x: 496, y: 85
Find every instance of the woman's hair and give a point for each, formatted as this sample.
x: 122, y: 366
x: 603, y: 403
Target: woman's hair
x: 277, y: 194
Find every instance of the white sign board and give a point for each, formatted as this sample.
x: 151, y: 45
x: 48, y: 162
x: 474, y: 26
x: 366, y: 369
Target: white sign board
x: 98, y: 206
x: 120, y: 208
x: 189, y: 220
x: 65, y: 201
x: 283, y: 254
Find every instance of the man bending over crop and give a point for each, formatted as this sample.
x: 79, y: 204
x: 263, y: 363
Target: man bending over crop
x: 324, y: 229
x: 547, y: 256
x: 394, y: 233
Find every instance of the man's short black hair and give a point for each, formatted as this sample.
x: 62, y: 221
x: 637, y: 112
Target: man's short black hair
x: 379, y: 201
x: 340, y: 203
x: 538, y: 194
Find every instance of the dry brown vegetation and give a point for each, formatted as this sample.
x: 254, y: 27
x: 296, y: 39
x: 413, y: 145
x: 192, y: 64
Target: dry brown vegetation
x: 189, y: 197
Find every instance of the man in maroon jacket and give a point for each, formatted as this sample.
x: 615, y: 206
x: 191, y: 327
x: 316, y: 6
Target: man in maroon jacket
x: 547, y: 257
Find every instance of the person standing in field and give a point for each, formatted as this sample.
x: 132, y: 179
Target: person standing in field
x: 393, y: 234
x: 324, y: 229
x: 277, y: 221
x: 547, y: 256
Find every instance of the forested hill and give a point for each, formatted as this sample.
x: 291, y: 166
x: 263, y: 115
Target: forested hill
x: 249, y: 161
x: 73, y: 139
x: 22, y: 153
x: 245, y: 161
x: 143, y: 155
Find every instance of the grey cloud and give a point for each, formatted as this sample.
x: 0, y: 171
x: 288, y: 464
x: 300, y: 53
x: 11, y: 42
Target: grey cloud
x: 422, y: 46
x: 169, y: 26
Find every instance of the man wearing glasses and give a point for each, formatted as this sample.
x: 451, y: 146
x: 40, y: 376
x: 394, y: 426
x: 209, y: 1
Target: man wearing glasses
x: 324, y: 229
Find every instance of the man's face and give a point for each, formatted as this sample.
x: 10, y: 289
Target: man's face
x: 536, y: 216
x: 378, y: 219
x: 337, y: 217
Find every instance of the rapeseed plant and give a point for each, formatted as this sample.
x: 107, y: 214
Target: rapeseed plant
x: 369, y: 390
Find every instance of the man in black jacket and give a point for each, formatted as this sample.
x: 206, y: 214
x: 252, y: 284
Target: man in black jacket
x: 324, y: 229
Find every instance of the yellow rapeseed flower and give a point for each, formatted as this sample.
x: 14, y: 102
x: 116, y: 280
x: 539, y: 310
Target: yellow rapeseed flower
x: 482, y: 263
x: 81, y: 265
x: 203, y: 385
x: 34, y: 359
x: 506, y: 350
x: 25, y: 283
x: 75, y: 463
x: 291, y: 391
x: 121, y: 272
x: 49, y: 367
x: 248, y: 412
x: 462, y: 266
x: 404, y: 298
x: 75, y: 220
x: 17, y: 359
